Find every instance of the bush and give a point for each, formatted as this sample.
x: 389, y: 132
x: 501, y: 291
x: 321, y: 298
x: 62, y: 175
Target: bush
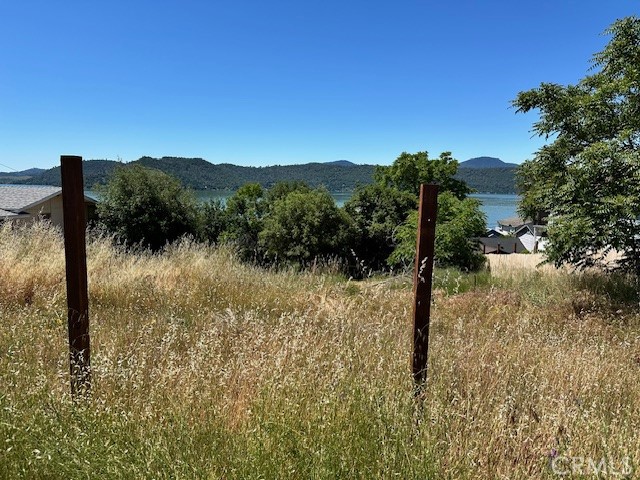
x: 377, y: 211
x: 303, y: 225
x: 146, y: 207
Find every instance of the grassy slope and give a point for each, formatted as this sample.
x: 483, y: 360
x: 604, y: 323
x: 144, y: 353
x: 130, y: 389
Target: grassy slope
x: 205, y: 368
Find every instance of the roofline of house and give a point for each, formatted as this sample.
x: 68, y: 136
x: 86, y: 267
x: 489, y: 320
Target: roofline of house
x: 87, y: 199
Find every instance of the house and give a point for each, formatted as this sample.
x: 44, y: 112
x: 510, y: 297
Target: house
x: 533, y: 237
x: 492, y: 232
x: 511, y: 225
x: 27, y: 202
x: 500, y: 245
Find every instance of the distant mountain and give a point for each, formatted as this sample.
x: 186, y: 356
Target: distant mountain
x: 198, y: 174
x: 489, y: 180
x: 95, y: 171
x: 23, y: 173
x: 486, y: 162
x: 341, y: 163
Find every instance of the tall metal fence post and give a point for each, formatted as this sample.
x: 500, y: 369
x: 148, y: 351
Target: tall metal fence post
x: 422, y: 279
x: 74, y: 215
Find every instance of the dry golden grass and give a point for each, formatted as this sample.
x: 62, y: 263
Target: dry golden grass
x: 207, y: 368
x: 509, y: 265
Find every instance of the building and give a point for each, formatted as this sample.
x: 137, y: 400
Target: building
x: 500, y: 245
x: 533, y: 237
x: 509, y: 226
x: 27, y: 202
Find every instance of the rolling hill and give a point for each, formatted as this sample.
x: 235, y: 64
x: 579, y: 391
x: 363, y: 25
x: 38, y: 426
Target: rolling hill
x: 198, y: 174
x: 486, y: 162
x: 337, y: 176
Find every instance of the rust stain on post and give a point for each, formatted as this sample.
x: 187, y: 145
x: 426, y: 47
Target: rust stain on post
x: 73, y: 208
x: 422, y: 279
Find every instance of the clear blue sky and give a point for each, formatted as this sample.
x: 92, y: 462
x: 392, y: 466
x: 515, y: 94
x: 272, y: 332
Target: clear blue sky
x: 281, y: 82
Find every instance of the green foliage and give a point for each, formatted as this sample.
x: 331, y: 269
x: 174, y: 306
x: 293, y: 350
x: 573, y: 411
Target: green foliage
x: 281, y: 189
x: 245, y: 212
x: 146, y: 207
x: 377, y: 210
x: 387, y: 220
x: 489, y: 180
x: 458, y: 222
x: 409, y: 170
x: 587, y: 180
x: 303, y: 225
x: 213, y: 220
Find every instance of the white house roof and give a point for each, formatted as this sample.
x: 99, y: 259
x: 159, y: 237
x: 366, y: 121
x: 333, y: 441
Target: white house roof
x: 511, y: 222
x: 17, y: 198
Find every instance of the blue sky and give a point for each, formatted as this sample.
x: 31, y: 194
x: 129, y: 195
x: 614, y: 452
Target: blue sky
x: 282, y: 82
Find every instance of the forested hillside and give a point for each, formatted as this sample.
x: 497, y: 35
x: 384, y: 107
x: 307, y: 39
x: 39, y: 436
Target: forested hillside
x: 199, y: 174
x: 489, y: 180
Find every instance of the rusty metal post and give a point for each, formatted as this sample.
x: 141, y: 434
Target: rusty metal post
x: 74, y: 217
x: 422, y: 279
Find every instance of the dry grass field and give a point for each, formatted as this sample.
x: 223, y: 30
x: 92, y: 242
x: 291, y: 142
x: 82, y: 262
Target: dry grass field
x: 207, y: 368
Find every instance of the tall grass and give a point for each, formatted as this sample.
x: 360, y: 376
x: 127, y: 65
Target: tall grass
x: 207, y: 368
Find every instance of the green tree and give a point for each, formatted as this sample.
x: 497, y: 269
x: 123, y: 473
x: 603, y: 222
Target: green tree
x: 146, y: 207
x: 387, y: 237
x: 282, y: 189
x: 303, y: 225
x: 459, y: 221
x: 377, y: 211
x: 245, y: 213
x: 409, y: 170
x: 587, y: 180
x: 213, y: 220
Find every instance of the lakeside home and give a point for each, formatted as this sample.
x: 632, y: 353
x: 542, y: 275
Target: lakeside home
x: 514, y: 235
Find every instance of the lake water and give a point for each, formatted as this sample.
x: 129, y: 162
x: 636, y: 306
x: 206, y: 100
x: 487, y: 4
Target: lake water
x: 494, y: 206
x: 497, y: 207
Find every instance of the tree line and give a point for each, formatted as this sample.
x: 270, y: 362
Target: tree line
x: 292, y: 223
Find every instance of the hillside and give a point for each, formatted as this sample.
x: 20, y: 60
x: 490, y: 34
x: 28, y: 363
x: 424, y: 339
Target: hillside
x: 11, y: 177
x: 198, y: 174
x: 489, y: 180
x: 486, y: 162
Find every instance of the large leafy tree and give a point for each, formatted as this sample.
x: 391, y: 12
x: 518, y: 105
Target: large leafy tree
x: 586, y: 181
x: 409, y: 170
x: 377, y: 210
x: 147, y: 207
x: 386, y: 236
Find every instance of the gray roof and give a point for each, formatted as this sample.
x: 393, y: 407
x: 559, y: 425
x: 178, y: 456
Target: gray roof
x: 501, y: 244
x: 7, y: 213
x: 16, y: 198
x: 511, y: 222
